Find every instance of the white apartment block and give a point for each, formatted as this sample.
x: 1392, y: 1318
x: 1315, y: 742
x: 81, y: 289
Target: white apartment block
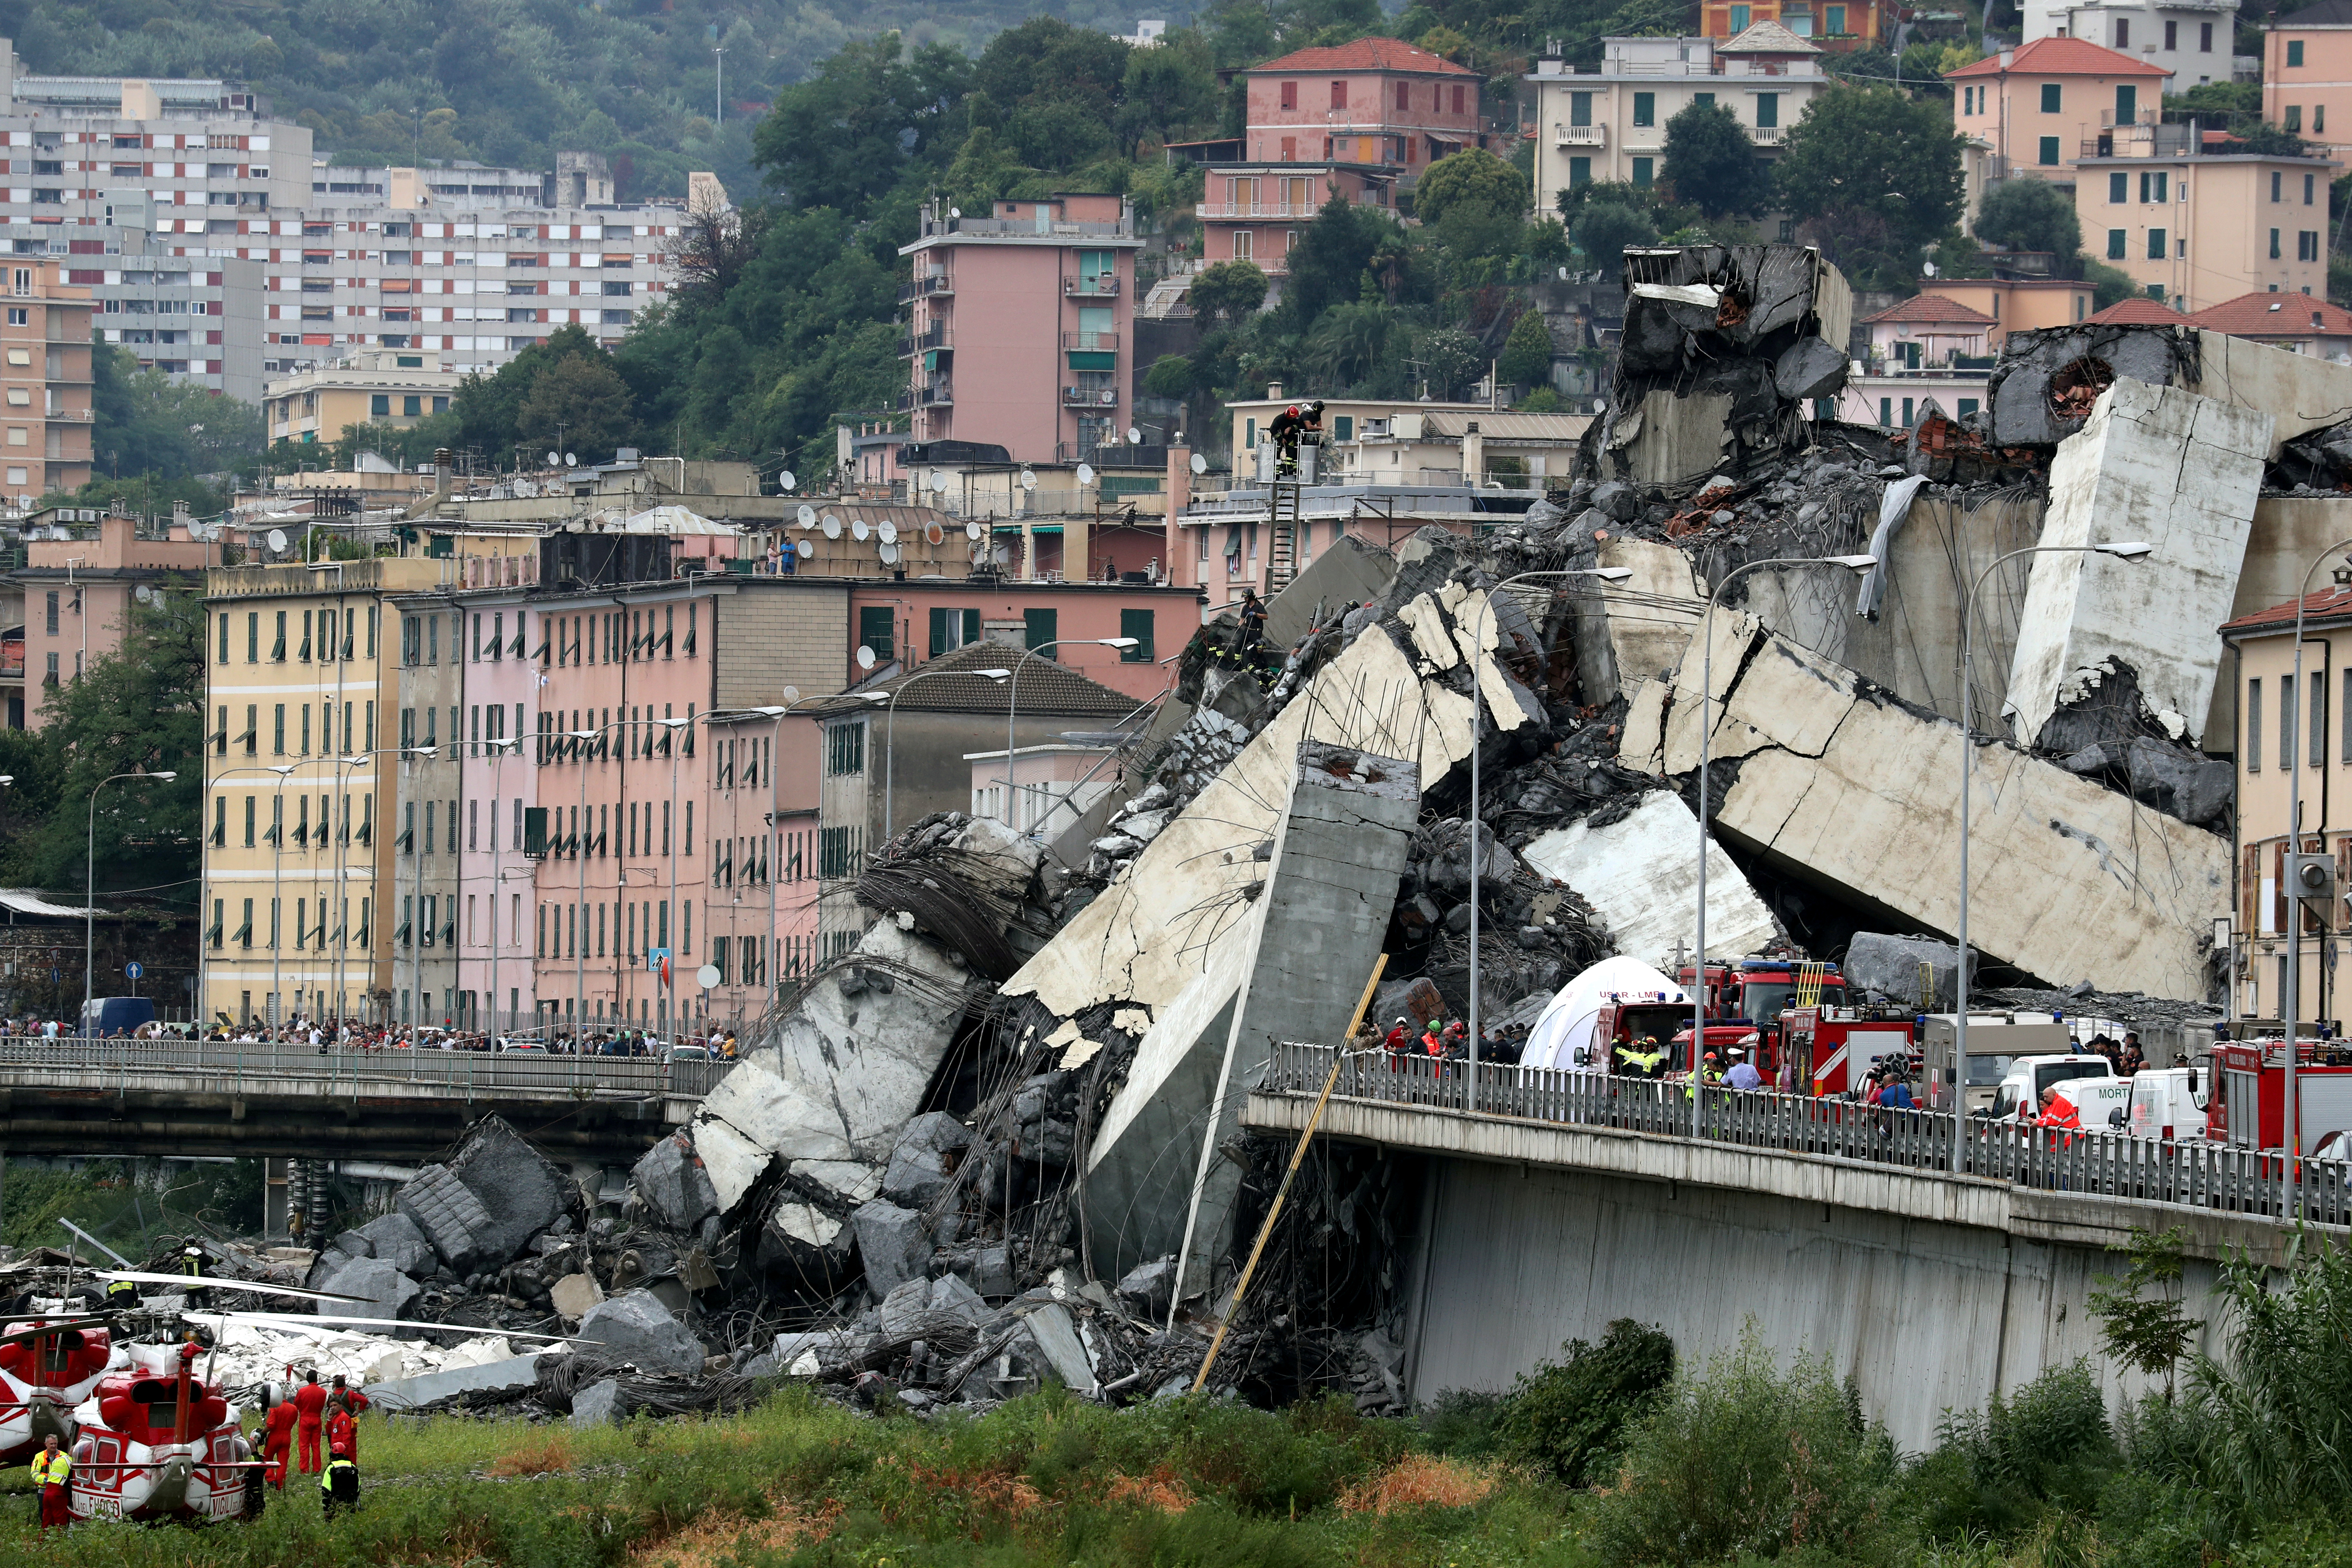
x: 2190, y: 39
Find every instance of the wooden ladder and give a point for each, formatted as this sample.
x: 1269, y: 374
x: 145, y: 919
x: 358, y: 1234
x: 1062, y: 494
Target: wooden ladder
x: 1282, y: 544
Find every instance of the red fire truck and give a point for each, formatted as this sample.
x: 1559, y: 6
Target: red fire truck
x: 1777, y: 1008
x: 2247, y: 1108
x: 1837, y: 1046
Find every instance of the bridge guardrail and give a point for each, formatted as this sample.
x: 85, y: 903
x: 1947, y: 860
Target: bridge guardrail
x: 2093, y: 1162
x: 459, y: 1071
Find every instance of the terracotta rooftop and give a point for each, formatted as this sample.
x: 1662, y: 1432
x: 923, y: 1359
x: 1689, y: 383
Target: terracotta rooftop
x: 2060, y: 57
x: 1932, y: 309
x: 1365, y: 55
x: 2276, y: 315
x: 2138, y: 311
x: 951, y: 684
x: 2329, y: 604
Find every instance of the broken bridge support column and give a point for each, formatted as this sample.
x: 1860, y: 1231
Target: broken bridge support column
x: 1320, y: 923
x: 2180, y: 472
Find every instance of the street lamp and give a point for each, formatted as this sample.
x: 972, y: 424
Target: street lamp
x: 1705, y: 753
x: 1013, y: 703
x: 90, y: 884
x: 891, y: 733
x: 500, y: 749
x: 1477, y: 714
x: 201, y: 947
x: 2291, y: 1000
x: 1958, y: 1087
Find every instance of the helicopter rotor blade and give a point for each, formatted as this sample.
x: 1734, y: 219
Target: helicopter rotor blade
x: 326, y: 1323
x: 214, y: 1282
x: 23, y: 1336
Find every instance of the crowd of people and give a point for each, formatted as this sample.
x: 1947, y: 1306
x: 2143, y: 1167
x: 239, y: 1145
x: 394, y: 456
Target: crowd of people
x: 1442, y: 1041
x: 716, y: 1042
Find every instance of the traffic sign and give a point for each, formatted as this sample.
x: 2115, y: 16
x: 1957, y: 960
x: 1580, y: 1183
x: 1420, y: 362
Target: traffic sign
x: 134, y: 968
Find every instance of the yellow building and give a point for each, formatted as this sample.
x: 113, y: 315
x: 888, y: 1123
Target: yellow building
x: 298, y: 869
x: 371, y: 388
x: 2195, y: 230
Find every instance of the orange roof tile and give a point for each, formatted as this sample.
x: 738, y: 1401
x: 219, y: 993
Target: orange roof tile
x: 2329, y: 603
x: 2138, y: 311
x: 1366, y: 54
x: 2276, y: 315
x: 1932, y: 307
x: 2060, y: 57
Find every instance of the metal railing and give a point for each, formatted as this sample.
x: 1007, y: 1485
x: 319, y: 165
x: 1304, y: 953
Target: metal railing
x: 927, y: 285
x: 1101, y: 283
x: 230, y: 1063
x: 1579, y: 135
x: 2192, y: 1172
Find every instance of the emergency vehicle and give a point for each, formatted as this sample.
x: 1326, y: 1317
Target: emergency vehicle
x: 158, y: 1441
x: 44, y: 1377
x: 1836, y: 1047
x: 2246, y: 1107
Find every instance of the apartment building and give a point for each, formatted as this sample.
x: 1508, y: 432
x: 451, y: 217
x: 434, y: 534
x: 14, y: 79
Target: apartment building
x: 1037, y: 302
x: 1610, y: 124
x: 300, y: 769
x: 80, y: 582
x: 394, y: 388
x: 45, y: 386
x: 2016, y: 304
x: 2307, y: 73
x: 423, y: 905
x: 2040, y: 107
x: 2195, y: 229
x: 1255, y: 212
x: 1376, y: 103
x: 1840, y: 27
x: 2189, y: 39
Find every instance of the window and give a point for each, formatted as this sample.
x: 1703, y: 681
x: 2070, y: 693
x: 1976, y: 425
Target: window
x: 2287, y: 725
x: 50, y: 613
x: 1343, y: 426
x: 2050, y: 97
x: 1834, y: 20
x: 2318, y: 718
x: 2319, y: 117
x: 248, y: 821
x: 1139, y: 626
x: 2277, y: 186
x: 2171, y: 36
x: 2255, y: 724
x: 1768, y: 110
x: 2047, y: 154
x: 2293, y: 117
x: 845, y: 748
x: 2123, y: 33
x: 411, y: 407
x: 1403, y: 96
x: 952, y: 629
x: 1579, y: 109
x: 2306, y: 244
x: 1646, y: 108
x: 874, y: 624
x: 2204, y: 38
x: 2127, y: 104
x: 2275, y: 244
x: 1461, y: 96
x: 379, y: 406
x: 1339, y: 95
x: 1740, y: 15
x: 2307, y: 180
x: 2156, y: 244
x: 1290, y: 95
x: 2119, y: 188
x: 2295, y: 51
x: 1643, y: 171
x: 2156, y: 187
x: 1704, y: 100
x: 1579, y: 172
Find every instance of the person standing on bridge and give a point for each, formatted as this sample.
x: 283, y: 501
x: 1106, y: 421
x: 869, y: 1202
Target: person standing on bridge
x: 1743, y: 1075
x: 309, y: 1407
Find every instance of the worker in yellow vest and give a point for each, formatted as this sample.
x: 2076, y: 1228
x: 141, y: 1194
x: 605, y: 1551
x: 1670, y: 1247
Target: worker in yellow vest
x: 53, y: 1480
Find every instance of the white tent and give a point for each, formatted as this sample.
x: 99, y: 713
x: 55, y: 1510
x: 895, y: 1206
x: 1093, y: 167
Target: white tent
x: 1571, y: 1021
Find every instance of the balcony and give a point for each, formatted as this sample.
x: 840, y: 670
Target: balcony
x: 1767, y: 135
x: 1104, y: 284
x: 935, y: 336
x: 1090, y: 398
x: 930, y: 286
x: 1580, y: 136
x: 936, y: 395
x: 73, y: 416
x: 1277, y: 212
x: 1090, y: 343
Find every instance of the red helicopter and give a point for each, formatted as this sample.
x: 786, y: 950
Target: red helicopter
x: 47, y: 1367
x: 157, y: 1441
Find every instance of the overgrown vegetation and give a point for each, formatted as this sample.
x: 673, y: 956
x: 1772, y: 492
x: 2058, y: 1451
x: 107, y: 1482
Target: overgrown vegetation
x: 105, y: 1199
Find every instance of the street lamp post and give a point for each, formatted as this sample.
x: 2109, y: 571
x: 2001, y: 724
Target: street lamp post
x: 500, y: 749
x: 891, y: 733
x: 201, y: 947
x: 1477, y: 714
x: 90, y: 884
x: 1013, y: 703
x: 1705, y: 753
x: 2291, y: 999
x: 1957, y: 1086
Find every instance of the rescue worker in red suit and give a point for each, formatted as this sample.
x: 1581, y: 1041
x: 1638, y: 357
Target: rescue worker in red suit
x: 310, y: 1409
x: 277, y: 1443
x: 53, y: 1478
x: 342, y: 1404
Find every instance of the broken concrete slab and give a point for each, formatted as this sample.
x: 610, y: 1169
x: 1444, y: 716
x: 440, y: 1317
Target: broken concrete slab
x: 1843, y: 788
x: 2036, y: 390
x: 923, y: 1157
x: 572, y: 1295
x: 601, y: 1404
x: 1635, y: 630
x: 1345, y: 835
x: 521, y: 1191
x: 1639, y: 874
x: 1057, y: 1337
x: 733, y: 1162
x: 383, y: 1291
x: 1890, y: 966
x: 2173, y: 779
x: 515, y: 1373
x: 2173, y: 470
x: 395, y: 1238
x: 2301, y: 392
x: 670, y: 1181
x: 451, y: 1217
x: 636, y: 1327
x: 893, y: 1243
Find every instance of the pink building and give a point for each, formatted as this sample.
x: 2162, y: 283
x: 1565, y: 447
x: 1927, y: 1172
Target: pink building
x: 1255, y: 211
x: 914, y: 621
x: 79, y: 591
x: 498, y: 782
x: 2307, y: 73
x: 1376, y: 103
x: 1035, y: 302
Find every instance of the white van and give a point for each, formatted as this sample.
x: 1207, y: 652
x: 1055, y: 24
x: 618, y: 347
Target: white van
x: 2019, y: 1094
x: 2168, y: 1102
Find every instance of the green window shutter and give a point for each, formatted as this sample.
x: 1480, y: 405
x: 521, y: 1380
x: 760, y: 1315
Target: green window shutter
x: 970, y: 628
x: 534, y: 832
x: 1136, y: 624
x: 939, y: 632
x: 1042, y: 628
x: 875, y: 626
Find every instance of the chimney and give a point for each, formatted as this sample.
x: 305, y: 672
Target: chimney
x: 1273, y: 391
x: 2008, y: 57
x: 1180, y: 486
x: 1473, y: 455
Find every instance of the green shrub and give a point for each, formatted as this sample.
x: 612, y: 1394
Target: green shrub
x: 1995, y: 1471
x: 1746, y: 1461
x: 1564, y: 1417
x: 1462, y: 1423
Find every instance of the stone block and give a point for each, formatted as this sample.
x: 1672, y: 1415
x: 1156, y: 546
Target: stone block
x: 574, y: 1294
x: 923, y: 1156
x: 395, y: 1238
x: 987, y: 1270
x: 451, y: 1217
x: 670, y: 1181
x: 406, y: 1394
x: 383, y: 1291
x: 636, y: 1327
x: 520, y: 1192
x: 1890, y: 966
x: 894, y: 1244
x: 1057, y: 1337
x: 602, y: 1404
x: 1149, y: 1287
x: 351, y: 1244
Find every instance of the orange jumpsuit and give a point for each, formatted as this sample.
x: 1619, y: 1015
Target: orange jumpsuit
x: 310, y: 1402
x: 277, y: 1443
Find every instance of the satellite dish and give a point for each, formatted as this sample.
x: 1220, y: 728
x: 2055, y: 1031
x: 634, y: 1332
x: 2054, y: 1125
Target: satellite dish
x: 889, y: 553
x: 792, y: 694
x: 1086, y: 473
x: 955, y: 212
x: 571, y: 460
x: 278, y: 541
x: 938, y: 482
x: 555, y: 459
x: 788, y: 480
x: 858, y: 528
x: 865, y: 657
x: 1134, y: 436
x: 832, y: 526
x: 707, y: 976
x: 1200, y: 464
x: 933, y: 533
x: 889, y: 532
x: 807, y: 516
x: 1028, y: 481
x: 142, y: 592
x: 972, y: 529
x: 807, y: 548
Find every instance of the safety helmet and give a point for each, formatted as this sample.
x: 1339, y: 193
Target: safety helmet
x: 1316, y: 406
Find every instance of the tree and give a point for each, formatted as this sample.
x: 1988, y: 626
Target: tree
x: 1347, y: 342
x: 2270, y: 142
x: 1604, y: 231
x: 843, y: 137
x: 1528, y: 352
x: 1227, y: 291
x: 145, y: 422
x: 1876, y: 174
x: 1171, y: 90
x: 2030, y: 215
x: 581, y: 403
x: 1328, y: 263
x: 1710, y: 162
x: 1473, y: 175
x: 1171, y: 377
x: 2148, y: 1333
x: 2109, y: 285
x: 1453, y: 359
